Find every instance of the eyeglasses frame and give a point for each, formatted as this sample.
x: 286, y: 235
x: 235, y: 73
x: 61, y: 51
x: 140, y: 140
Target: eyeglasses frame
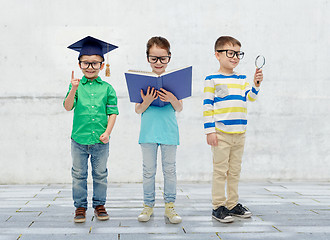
x: 159, y: 58
x: 235, y: 53
x: 90, y: 64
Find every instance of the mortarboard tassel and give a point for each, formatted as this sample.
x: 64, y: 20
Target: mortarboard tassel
x: 107, y: 70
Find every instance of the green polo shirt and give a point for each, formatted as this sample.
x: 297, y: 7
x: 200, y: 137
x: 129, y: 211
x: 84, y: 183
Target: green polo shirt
x: 94, y: 101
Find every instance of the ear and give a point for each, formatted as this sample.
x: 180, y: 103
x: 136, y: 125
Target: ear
x: 102, y: 66
x: 217, y: 55
x: 169, y: 54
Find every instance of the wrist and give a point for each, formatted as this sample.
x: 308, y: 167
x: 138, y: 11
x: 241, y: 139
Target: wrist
x: 173, y: 100
x: 74, y: 88
x: 147, y: 102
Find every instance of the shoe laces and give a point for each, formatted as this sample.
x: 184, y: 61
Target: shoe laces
x: 171, y: 211
x: 224, y: 210
x: 146, y: 210
x: 241, y: 209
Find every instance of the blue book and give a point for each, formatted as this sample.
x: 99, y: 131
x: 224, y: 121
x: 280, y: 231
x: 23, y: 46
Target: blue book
x: 178, y: 82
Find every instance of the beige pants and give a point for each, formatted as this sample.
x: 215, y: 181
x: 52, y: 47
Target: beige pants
x: 227, y: 159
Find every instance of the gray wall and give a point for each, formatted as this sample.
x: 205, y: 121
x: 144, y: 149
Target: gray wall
x: 287, y: 136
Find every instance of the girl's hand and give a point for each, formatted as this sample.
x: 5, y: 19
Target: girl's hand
x: 74, y: 81
x: 258, y: 77
x: 166, y: 96
x: 104, y: 138
x: 150, y: 96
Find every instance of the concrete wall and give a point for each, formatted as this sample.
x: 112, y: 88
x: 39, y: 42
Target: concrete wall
x: 288, y: 132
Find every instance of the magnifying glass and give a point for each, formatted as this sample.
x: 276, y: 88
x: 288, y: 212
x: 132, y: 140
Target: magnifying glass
x: 260, y: 62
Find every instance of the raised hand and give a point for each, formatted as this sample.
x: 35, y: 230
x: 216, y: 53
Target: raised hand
x: 69, y: 101
x: 74, y: 81
x: 258, y: 77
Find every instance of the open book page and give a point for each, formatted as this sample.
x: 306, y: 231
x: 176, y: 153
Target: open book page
x: 174, y: 70
x: 145, y: 73
x: 154, y: 74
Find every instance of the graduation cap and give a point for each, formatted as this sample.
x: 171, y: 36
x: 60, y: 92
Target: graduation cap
x: 92, y: 46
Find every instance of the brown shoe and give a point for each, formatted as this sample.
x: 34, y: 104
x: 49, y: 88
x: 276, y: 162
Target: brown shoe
x: 101, y: 213
x: 80, y: 216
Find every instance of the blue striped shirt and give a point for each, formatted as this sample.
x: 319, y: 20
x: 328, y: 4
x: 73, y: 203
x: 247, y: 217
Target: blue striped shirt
x: 224, y: 105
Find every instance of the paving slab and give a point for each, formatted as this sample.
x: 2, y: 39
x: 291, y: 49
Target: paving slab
x: 281, y: 210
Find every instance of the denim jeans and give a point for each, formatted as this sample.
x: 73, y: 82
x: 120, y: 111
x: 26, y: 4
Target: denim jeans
x: 98, y: 154
x: 149, y: 154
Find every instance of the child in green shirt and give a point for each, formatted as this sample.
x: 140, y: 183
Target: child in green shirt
x: 95, y: 110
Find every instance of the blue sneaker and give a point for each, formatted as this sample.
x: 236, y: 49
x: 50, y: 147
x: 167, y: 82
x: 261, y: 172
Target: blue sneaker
x: 222, y: 215
x: 240, y: 211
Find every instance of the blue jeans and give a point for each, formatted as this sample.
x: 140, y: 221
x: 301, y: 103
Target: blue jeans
x: 149, y: 154
x: 98, y: 154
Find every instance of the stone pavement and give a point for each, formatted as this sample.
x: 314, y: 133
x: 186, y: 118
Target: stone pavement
x: 282, y: 210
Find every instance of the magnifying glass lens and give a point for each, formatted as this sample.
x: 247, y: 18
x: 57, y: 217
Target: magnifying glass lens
x: 260, y: 61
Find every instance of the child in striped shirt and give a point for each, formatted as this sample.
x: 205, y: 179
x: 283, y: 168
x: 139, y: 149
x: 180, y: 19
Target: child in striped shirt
x: 225, y: 120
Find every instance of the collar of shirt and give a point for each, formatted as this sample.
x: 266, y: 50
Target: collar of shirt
x: 84, y: 80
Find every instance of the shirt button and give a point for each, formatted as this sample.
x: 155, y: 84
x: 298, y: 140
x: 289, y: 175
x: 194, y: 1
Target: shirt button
x: 93, y: 119
x: 90, y: 84
x: 92, y: 94
x: 92, y: 106
x: 93, y: 132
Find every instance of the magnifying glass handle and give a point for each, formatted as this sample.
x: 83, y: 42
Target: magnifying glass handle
x: 259, y: 64
x: 258, y: 81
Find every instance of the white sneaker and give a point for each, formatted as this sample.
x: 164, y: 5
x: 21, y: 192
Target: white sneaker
x: 145, y: 214
x: 171, y: 214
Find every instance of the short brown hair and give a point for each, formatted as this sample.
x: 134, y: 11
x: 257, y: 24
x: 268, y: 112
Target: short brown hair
x: 159, y: 42
x: 223, y: 40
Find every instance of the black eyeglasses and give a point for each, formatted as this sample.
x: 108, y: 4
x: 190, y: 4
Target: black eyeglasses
x: 163, y: 59
x: 232, y: 53
x: 95, y: 65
